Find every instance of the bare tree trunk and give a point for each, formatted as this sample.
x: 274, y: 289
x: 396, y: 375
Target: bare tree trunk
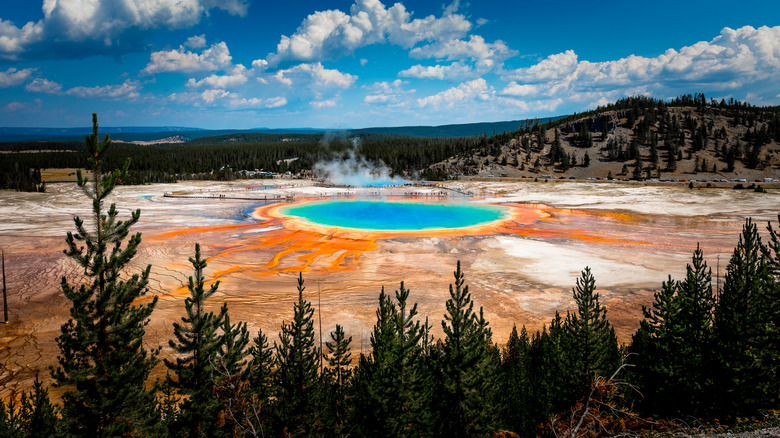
x: 5, y: 298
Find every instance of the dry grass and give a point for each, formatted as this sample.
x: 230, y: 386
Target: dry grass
x: 62, y: 175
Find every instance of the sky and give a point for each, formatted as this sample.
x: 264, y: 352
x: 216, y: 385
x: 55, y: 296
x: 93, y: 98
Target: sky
x: 338, y: 64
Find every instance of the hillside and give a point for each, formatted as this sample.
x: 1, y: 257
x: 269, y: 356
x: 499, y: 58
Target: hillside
x: 637, y: 138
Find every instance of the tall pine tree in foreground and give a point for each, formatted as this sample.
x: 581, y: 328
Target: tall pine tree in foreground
x: 390, y: 387
x: 103, y: 364
x: 197, y: 345
x: 468, y: 366
x: 336, y: 379
x: 746, y: 329
x: 593, y: 341
x: 674, y: 345
x: 297, y: 362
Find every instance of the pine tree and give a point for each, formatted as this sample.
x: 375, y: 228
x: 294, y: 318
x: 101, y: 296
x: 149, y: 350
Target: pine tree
x: 517, y: 399
x: 465, y: 354
x: 742, y: 325
x: 33, y: 416
x: 338, y: 375
x: 674, y: 353
x: 103, y: 363
x: 391, y: 386
x: 230, y: 380
x: 197, y: 343
x: 261, y: 368
x: 595, y: 349
x: 297, y: 362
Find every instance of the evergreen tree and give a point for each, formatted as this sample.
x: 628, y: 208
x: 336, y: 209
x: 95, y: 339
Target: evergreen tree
x: 261, y: 368
x: 391, y: 385
x: 744, y: 328
x: 338, y: 377
x: 297, y: 362
x: 103, y: 364
x: 595, y: 349
x: 197, y: 345
x: 230, y: 379
x: 468, y: 396
x: 517, y: 399
x: 674, y: 349
x: 32, y: 417
x: 553, y: 374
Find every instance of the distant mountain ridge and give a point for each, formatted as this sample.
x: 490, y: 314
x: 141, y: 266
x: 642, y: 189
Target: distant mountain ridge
x: 45, y: 134
x: 153, y: 133
x: 458, y: 130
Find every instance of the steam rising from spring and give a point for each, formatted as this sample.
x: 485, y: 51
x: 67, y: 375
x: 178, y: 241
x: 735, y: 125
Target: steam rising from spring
x: 353, y: 169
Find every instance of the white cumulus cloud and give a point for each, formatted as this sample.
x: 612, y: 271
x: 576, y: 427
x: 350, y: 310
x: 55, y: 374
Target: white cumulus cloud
x: 239, y: 75
x: 72, y: 25
x: 389, y: 93
x: 316, y: 75
x: 515, y: 89
x: 43, y: 85
x: 216, y: 57
x: 196, y: 42
x: 331, y: 34
x: 452, y: 72
x: 475, y: 48
x: 13, y: 77
x: 127, y: 90
x: 323, y: 103
x: 475, y: 90
x: 733, y: 59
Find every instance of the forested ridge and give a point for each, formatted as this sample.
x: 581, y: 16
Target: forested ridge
x: 636, y: 137
x: 700, y: 355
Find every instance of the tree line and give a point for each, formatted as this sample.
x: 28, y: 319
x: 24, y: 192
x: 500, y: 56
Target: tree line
x: 221, y: 158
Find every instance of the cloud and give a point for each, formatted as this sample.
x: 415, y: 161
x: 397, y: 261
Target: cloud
x: 260, y: 64
x: 332, y: 34
x: 15, y: 107
x: 732, y: 60
x: 216, y: 57
x: 474, y: 57
x: 219, y: 98
x: 127, y: 90
x: 239, y: 76
x: 323, y: 103
x: 475, y: 90
x: 13, y: 77
x: 196, y: 42
x: 453, y: 72
x: 209, y: 96
x: 70, y: 26
x: 389, y: 93
x: 475, y: 48
x: 316, y: 75
x: 43, y: 85
x: 515, y: 89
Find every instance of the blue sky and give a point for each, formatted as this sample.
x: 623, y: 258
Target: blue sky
x: 351, y: 64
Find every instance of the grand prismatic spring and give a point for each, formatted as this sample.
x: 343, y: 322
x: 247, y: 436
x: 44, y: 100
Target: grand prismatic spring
x: 522, y: 245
